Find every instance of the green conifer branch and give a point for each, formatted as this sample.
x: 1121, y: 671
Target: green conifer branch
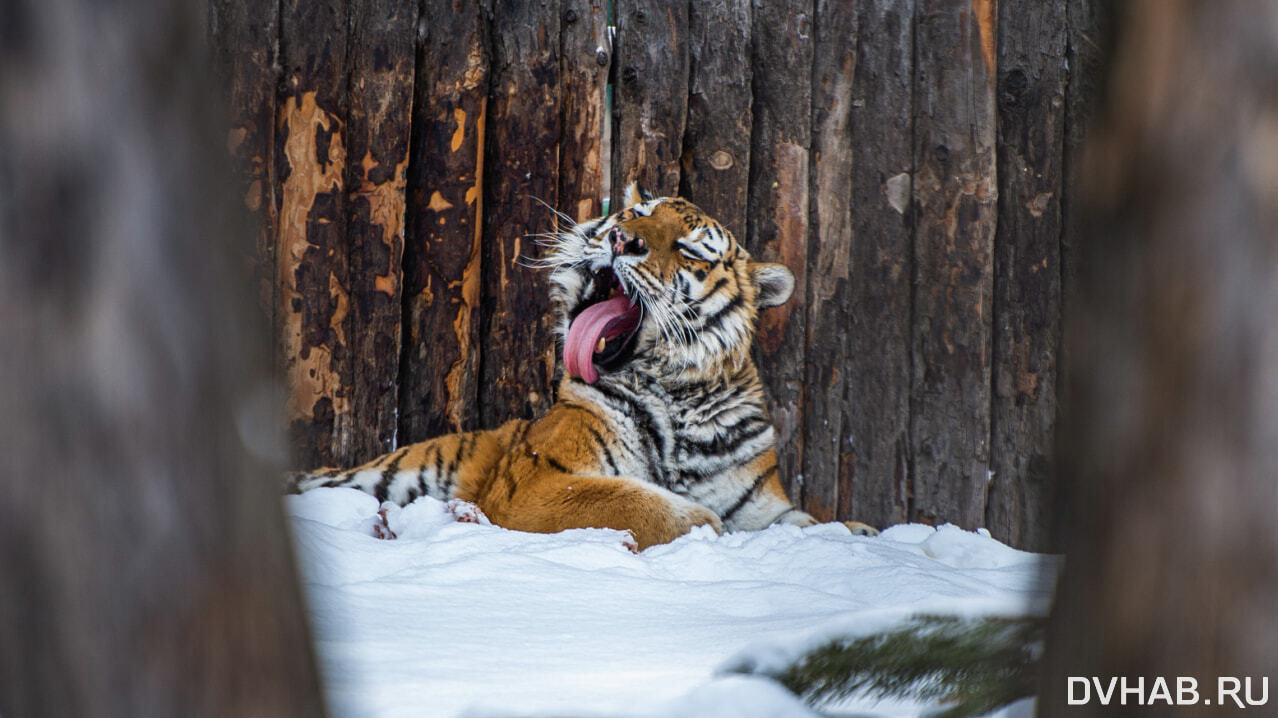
x: 974, y: 665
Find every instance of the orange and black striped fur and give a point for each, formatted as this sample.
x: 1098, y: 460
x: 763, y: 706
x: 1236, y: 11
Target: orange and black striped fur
x: 671, y: 433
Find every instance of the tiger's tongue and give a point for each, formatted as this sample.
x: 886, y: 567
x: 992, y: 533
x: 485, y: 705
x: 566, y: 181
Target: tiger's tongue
x: 607, y: 319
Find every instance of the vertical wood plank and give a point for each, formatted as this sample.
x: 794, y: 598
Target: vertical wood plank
x: 244, y: 38
x: 777, y: 228
x: 955, y: 192
x: 521, y: 163
x: 1027, y: 281
x: 585, y: 61
x: 650, y: 95
x: 829, y: 306
x: 874, y: 465
x: 381, y: 61
x: 312, y: 293
x: 716, y: 141
x: 439, y: 373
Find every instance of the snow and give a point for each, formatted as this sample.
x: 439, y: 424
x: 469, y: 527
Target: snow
x: 465, y: 619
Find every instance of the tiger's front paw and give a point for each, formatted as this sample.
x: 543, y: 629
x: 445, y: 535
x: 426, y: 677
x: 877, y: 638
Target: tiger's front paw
x: 859, y: 529
x: 694, y: 515
x: 678, y: 517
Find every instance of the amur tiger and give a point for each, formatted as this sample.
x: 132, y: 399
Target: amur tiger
x: 660, y: 423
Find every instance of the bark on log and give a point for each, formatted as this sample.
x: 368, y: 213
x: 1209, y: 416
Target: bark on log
x: 381, y: 62
x: 1170, y: 432
x: 955, y: 192
x: 523, y: 131
x: 1027, y: 272
x: 144, y: 561
x: 650, y: 96
x: 244, y: 38
x: 777, y: 229
x: 585, y: 62
x: 439, y: 374
x: 311, y: 264
x: 830, y: 252
x: 716, y: 140
x: 874, y: 465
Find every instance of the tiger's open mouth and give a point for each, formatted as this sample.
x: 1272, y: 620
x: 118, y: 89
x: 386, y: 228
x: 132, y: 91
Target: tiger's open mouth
x: 602, y: 329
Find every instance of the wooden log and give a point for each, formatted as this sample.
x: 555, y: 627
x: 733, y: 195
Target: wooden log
x: 1171, y: 420
x: 585, y: 60
x: 877, y: 411
x: 521, y: 162
x: 861, y: 270
x: 716, y: 140
x: 955, y: 192
x: 1027, y: 272
x: 829, y: 315
x: 244, y: 40
x: 312, y: 295
x: 146, y: 568
x: 650, y: 96
x: 381, y: 60
x: 777, y: 228
x: 439, y: 374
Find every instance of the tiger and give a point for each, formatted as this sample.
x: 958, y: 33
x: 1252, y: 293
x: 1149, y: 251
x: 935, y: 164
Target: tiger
x: 659, y: 425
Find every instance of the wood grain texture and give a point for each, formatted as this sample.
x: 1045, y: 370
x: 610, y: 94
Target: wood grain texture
x: 244, y: 40
x: 585, y: 61
x: 439, y: 371
x: 777, y: 228
x: 381, y: 61
x: 522, y: 133
x: 716, y: 140
x: 877, y: 403
x: 1027, y: 272
x: 829, y: 315
x: 650, y: 96
x: 313, y: 295
x: 955, y: 194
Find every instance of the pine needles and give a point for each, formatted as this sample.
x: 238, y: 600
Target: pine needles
x: 974, y: 665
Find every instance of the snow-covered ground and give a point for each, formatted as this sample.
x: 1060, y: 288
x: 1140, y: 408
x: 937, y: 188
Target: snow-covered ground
x: 464, y: 619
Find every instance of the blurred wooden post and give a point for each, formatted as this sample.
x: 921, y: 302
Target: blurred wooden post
x: 144, y: 562
x: 1170, y: 446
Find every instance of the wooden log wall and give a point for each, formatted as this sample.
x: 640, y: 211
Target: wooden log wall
x: 905, y: 158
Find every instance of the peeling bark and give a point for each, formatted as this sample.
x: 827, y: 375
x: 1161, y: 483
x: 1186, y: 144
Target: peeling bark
x: 438, y: 382
x: 523, y: 148
x: 380, y: 101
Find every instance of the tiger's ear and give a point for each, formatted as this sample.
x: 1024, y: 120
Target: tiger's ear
x: 635, y: 194
x: 773, y: 284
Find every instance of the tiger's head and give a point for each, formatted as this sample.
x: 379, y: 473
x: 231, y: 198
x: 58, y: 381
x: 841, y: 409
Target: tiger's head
x: 659, y: 284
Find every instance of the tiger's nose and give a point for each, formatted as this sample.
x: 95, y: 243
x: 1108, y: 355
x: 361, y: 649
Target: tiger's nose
x: 624, y: 244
